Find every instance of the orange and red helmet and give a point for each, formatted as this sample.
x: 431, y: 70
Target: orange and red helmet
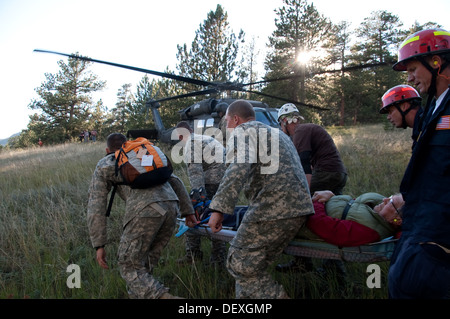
x: 398, y: 94
x: 422, y: 43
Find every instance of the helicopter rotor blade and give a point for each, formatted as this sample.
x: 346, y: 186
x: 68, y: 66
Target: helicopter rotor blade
x: 288, y: 100
x: 355, y: 67
x: 191, y: 94
x: 214, y: 87
x: 346, y: 69
x: 161, y: 74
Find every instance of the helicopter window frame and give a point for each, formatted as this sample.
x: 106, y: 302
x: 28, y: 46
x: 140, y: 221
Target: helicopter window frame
x: 263, y: 117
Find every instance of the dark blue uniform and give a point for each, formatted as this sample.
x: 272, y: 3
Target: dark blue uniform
x: 416, y: 128
x: 420, y: 266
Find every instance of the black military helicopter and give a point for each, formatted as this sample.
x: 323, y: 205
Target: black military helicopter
x: 206, y: 113
x: 201, y: 116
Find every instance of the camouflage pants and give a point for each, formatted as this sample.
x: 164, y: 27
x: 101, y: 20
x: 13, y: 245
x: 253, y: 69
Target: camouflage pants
x: 141, y: 245
x: 193, y: 241
x: 254, y: 248
x: 218, y: 248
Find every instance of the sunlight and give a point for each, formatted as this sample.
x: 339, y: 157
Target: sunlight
x: 304, y: 57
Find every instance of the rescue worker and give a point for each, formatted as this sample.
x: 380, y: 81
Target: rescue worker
x: 323, y: 167
x: 402, y: 104
x: 205, y: 161
x: 420, y: 266
x: 275, y: 212
x: 148, y: 224
x: 319, y: 155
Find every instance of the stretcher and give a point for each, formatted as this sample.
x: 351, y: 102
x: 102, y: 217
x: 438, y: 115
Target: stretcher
x: 370, y: 253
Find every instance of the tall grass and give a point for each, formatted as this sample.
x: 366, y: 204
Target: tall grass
x: 43, y: 198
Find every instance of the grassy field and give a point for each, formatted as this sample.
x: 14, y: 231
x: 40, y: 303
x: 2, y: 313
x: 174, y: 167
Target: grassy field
x: 43, y: 199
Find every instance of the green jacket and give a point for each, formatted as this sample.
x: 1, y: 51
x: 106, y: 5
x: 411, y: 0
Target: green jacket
x: 361, y: 211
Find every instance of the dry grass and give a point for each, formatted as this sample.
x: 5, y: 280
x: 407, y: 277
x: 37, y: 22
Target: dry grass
x: 43, y: 197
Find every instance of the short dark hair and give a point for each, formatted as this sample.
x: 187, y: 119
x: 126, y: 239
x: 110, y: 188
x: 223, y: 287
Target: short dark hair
x: 114, y: 141
x: 184, y: 124
x: 243, y: 109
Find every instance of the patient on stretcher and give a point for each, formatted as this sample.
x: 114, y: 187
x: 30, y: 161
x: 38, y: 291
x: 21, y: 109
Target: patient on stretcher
x: 343, y: 221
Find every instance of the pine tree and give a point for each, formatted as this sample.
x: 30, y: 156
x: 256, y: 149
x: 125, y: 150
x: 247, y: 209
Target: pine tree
x: 120, y: 115
x: 300, y: 30
x: 98, y: 118
x: 139, y: 115
x: 213, y: 53
x: 66, y: 102
x: 338, y: 56
x: 249, y: 71
x: 378, y: 38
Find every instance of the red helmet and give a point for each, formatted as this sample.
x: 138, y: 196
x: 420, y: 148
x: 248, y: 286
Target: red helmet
x: 398, y: 94
x: 425, y: 42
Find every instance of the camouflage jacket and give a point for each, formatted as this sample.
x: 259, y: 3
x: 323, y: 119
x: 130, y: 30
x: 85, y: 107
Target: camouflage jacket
x: 104, y: 178
x: 264, y: 163
x: 205, y: 160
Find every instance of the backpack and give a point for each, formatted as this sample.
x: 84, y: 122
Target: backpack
x: 142, y: 165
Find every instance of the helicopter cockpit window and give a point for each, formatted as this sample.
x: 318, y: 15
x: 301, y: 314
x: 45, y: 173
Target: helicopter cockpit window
x: 262, y: 117
x: 200, y: 123
x: 204, y: 123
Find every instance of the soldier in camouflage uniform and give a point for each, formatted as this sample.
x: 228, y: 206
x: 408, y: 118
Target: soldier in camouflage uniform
x: 279, y: 201
x: 148, y: 224
x: 205, y: 160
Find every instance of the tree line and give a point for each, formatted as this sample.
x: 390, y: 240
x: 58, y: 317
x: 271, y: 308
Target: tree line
x: 319, y: 59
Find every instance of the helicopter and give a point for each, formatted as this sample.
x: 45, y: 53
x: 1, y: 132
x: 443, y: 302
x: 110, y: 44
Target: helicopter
x: 208, y: 112
x: 202, y: 115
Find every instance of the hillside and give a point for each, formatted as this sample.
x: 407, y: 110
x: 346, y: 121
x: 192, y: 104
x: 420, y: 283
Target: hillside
x: 4, y: 141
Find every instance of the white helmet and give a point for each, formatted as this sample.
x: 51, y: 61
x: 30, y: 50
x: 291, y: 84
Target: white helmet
x: 288, y: 108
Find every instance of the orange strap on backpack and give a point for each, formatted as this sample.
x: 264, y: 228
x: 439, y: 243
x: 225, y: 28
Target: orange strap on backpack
x: 135, y: 145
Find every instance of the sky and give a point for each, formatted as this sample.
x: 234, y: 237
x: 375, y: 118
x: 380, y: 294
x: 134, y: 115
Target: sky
x: 141, y: 33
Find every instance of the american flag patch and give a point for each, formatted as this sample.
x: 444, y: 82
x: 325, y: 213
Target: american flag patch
x: 444, y: 123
